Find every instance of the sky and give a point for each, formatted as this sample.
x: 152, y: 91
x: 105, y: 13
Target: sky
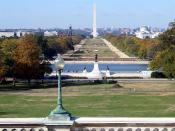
x: 78, y: 13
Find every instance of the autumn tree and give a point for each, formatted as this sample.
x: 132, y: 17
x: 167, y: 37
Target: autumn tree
x: 26, y: 58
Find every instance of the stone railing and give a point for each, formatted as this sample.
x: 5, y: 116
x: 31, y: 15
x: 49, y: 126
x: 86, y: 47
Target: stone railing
x: 22, y: 124
x: 88, y: 124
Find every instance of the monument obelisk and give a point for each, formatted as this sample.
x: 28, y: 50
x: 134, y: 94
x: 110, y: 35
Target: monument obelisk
x: 94, y: 33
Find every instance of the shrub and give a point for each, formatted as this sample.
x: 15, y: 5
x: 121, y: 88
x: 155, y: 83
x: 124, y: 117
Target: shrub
x: 158, y: 75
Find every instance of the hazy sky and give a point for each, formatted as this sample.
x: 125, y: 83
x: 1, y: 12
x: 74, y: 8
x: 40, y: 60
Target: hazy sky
x: 78, y: 13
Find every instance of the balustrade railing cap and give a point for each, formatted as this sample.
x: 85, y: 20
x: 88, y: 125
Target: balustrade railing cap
x: 126, y: 120
x: 22, y: 121
x: 89, y: 120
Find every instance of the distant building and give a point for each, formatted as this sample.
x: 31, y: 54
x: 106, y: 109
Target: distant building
x: 7, y: 34
x: 145, y: 32
x: 13, y: 34
x: 171, y: 24
x: 22, y: 33
x: 50, y: 33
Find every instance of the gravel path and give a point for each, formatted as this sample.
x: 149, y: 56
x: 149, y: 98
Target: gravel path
x: 115, y: 50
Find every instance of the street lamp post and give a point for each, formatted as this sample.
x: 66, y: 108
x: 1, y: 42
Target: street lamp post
x: 59, y: 113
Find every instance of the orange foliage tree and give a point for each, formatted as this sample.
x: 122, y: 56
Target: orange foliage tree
x: 26, y: 58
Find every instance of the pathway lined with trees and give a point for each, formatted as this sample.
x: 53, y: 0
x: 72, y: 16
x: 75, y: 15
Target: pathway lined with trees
x: 105, y: 50
x: 134, y: 47
x: 160, y: 51
x: 87, y: 50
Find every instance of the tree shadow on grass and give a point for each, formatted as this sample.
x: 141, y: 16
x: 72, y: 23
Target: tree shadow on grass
x: 24, y: 87
x: 5, y: 113
x: 67, y: 84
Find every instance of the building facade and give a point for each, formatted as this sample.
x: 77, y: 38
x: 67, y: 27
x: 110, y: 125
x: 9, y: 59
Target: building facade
x: 145, y: 32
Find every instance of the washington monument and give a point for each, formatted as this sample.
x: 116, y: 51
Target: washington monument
x: 94, y: 33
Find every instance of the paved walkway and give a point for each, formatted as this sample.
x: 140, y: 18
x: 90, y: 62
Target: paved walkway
x: 107, y: 62
x: 76, y: 48
x: 115, y: 50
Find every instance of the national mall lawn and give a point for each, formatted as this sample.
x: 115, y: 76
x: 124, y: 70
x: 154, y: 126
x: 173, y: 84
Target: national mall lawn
x: 135, y: 99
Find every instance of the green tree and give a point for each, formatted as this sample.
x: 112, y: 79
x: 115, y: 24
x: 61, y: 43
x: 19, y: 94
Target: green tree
x: 134, y: 46
x: 53, y: 47
x: 165, y: 61
x: 2, y: 68
x: 76, y: 39
x: 42, y: 42
x: 7, y: 48
x: 167, y: 39
x: 165, y: 58
x: 152, y: 50
x: 58, y: 45
x: 142, y: 52
x: 45, y: 67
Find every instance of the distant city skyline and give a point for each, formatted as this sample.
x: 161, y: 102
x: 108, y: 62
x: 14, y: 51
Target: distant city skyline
x: 78, y: 13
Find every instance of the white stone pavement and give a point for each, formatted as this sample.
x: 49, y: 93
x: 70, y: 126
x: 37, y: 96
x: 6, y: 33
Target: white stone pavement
x: 115, y: 50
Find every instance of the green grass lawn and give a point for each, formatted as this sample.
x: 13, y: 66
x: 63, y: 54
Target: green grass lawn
x: 91, y: 45
x: 92, y: 100
x: 119, y: 105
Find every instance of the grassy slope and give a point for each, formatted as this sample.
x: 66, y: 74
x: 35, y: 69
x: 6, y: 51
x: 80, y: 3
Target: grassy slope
x: 120, y: 105
x: 92, y: 100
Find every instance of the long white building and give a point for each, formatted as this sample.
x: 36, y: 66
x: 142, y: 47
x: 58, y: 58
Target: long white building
x: 22, y: 33
x: 13, y: 34
x: 50, y: 33
x: 7, y: 34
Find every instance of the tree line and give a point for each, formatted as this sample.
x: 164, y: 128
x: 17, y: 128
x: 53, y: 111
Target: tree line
x: 27, y: 57
x: 135, y: 47
x: 161, y: 51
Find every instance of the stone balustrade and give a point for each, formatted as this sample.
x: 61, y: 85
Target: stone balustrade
x: 22, y: 124
x: 88, y: 124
